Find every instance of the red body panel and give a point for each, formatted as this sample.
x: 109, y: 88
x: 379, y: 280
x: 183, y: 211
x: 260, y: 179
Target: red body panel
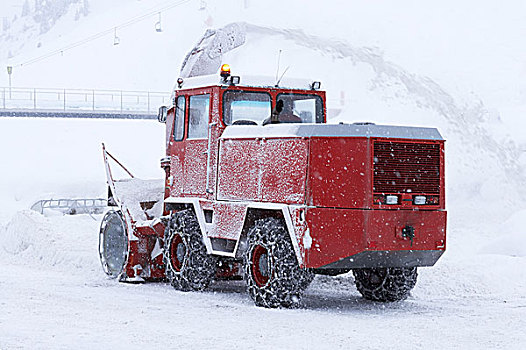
x: 238, y: 170
x: 338, y: 172
x: 195, y: 163
x: 249, y: 170
x: 341, y: 233
x: 228, y: 220
x: 140, y: 260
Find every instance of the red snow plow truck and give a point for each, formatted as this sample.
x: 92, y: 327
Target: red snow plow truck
x: 258, y: 187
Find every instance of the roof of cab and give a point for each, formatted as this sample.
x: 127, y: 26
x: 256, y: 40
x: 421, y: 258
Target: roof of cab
x: 250, y: 81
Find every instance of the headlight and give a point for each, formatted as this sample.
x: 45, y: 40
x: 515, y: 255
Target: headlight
x: 391, y: 199
x: 420, y: 200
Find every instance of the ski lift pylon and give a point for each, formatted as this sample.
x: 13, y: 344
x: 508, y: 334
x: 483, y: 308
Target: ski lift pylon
x: 158, y: 27
x: 116, y: 39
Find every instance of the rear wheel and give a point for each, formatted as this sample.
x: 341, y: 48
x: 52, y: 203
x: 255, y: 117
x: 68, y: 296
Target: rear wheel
x: 272, y: 274
x: 385, y: 284
x: 188, y: 266
x: 113, y: 243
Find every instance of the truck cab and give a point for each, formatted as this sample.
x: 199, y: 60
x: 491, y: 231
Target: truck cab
x: 200, y: 114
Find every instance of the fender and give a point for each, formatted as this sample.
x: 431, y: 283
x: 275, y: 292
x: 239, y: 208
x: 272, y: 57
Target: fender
x: 283, y: 208
x: 194, y: 202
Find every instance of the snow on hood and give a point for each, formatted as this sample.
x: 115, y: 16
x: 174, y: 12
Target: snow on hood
x: 330, y: 130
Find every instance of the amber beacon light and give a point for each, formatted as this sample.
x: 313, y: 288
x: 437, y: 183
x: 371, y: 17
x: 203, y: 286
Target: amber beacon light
x: 225, y: 71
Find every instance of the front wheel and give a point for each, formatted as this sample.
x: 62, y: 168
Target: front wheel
x: 188, y: 266
x: 272, y: 273
x: 385, y: 284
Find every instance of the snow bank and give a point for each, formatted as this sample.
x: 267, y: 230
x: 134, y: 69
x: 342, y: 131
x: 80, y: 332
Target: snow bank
x: 19, y: 233
x: 510, y: 237
x: 62, y: 158
x: 62, y: 242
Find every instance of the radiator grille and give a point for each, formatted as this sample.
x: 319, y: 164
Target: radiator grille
x: 402, y: 167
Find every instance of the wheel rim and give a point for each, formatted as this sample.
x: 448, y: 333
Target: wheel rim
x: 375, y: 277
x: 260, y: 266
x: 372, y: 278
x: 177, y: 252
x: 114, y: 247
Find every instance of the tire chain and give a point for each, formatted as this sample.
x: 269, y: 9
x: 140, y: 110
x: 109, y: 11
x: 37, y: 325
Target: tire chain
x: 393, y: 284
x: 198, y: 268
x: 287, y: 281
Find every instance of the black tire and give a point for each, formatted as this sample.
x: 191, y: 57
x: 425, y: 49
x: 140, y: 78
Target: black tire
x: 113, y: 244
x: 385, y: 284
x: 271, y: 270
x: 188, y: 266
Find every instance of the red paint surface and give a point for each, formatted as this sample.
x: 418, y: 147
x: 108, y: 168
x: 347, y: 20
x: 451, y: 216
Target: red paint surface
x: 338, y: 173
x: 339, y: 233
x: 263, y: 170
x: 228, y: 220
x: 195, y: 162
x: 140, y: 253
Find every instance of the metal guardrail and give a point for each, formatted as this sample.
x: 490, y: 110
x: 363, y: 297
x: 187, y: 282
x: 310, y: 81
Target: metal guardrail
x: 82, y: 100
x: 72, y: 206
x: 85, y: 103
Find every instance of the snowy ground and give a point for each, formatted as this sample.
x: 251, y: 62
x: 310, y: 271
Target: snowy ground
x: 53, y: 293
x: 57, y: 297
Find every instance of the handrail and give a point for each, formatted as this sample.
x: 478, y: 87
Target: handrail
x: 46, y: 99
x: 72, y: 206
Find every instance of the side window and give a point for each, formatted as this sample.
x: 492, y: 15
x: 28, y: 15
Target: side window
x: 198, y: 114
x: 179, y: 118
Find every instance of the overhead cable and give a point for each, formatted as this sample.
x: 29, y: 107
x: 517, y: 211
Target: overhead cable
x: 155, y: 11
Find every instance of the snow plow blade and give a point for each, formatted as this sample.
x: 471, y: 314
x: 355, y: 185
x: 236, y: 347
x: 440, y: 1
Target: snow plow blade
x: 131, y: 232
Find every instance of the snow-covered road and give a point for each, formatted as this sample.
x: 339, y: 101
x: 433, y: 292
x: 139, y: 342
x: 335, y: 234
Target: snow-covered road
x: 59, y: 297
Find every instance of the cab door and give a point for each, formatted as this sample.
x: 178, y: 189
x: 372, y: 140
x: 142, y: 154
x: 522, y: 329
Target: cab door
x: 177, y: 147
x: 196, y: 144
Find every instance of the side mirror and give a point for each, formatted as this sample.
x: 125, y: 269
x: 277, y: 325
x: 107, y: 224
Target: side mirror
x: 161, y: 117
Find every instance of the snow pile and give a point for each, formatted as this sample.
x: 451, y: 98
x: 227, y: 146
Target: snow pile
x: 512, y: 240
x: 62, y: 242
x: 62, y: 158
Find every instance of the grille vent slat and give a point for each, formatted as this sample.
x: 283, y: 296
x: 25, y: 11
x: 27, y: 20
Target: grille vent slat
x: 401, y: 167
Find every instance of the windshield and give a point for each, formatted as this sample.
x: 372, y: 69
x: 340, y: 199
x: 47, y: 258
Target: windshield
x: 306, y: 108
x: 243, y: 107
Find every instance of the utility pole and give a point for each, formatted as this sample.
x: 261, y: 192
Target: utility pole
x: 9, y: 72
